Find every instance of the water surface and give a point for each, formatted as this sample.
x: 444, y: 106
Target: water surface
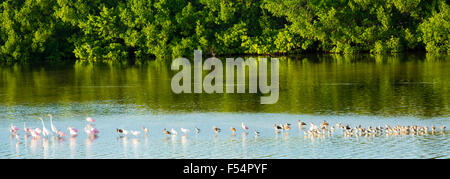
x: 370, y: 90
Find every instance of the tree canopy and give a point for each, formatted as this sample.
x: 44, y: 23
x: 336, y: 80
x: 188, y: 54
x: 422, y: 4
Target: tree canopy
x: 127, y: 29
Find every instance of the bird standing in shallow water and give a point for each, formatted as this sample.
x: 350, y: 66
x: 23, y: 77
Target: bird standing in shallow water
x: 166, y: 132
x: 244, y: 126
x: 216, y: 130
x: 13, y: 129
x: 135, y: 133
x: 45, y: 132
x: 197, y: 130
x: 324, y: 125
x: 26, y: 129
x: 256, y: 133
x: 287, y: 126
x: 36, y: 133
x: 145, y: 130
x: 121, y: 132
x: 277, y: 128
x: 52, y: 127
x: 184, y: 131
x: 301, y: 124
x: 72, y: 131
x: 91, y: 131
x: 233, y: 129
x: 90, y: 119
x: 173, y: 131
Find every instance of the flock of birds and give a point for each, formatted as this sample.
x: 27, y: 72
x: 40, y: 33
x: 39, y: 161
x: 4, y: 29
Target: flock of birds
x: 36, y: 133
x: 312, y: 130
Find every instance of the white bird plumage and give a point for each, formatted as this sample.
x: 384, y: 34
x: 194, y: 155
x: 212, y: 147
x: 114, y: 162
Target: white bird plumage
x: 185, y: 131
x: 45, y: 132
x: 173, y: 131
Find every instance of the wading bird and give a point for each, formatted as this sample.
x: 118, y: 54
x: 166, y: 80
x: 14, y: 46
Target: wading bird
x: 256, y: 132
x: 122, y: 132
x: 184, y: 131
x: 135, y: 133
x: 244, y: 126
x: 90, y: 119
x: 287, y: 126
x: 233, y: 129
x: 145, y: 130
x: 52, y: 127
x: 301, y: 124
x: 36, y: 133
x: 277, y: 127
x: 26, y: 129
x: 173, y: 131
x: 91, y: 131
x: 166, y: 132
x: 13, y: 129
x: 324, y: 125
x: 197, y: 130
x: 45, y: 132
x: 216, y: 130
x: 72, y: 131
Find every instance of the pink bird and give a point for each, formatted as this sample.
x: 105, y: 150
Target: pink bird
x: 72, y: 131
x: 60, y: 134
x: 38, y: 130
x: 13, y: 129
x: 27, y: 130
x: 244, y: 126
x: 91, y: 131
x: 36, y: 133
x: 90, y: 119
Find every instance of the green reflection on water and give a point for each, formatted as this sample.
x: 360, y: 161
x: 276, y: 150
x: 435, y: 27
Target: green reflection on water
x: 402, y: 84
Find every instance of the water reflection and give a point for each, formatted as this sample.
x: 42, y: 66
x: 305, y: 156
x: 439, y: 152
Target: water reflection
x: 368, y: 90
x: 400, y: 84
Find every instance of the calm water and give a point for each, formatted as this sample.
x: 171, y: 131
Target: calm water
x: 367, y: 90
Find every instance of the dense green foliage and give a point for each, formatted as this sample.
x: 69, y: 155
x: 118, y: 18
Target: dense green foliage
x: 120, y: 29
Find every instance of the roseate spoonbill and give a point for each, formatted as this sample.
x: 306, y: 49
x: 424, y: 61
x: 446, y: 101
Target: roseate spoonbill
x: 174, y: 132
x: 45, y: 132
x: 91, y: 130
x: 216, y: 130
x: 38, y: 130
x: 60, y: 134
x: 90, y: 119
x: 13, y: 129
x: 36, y: 133
x: 244, y: 126
x: 52, y: 127
x: 184, y: 131
x: 166, y: 132
x: 72, y: 131
x: 27, y: 130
